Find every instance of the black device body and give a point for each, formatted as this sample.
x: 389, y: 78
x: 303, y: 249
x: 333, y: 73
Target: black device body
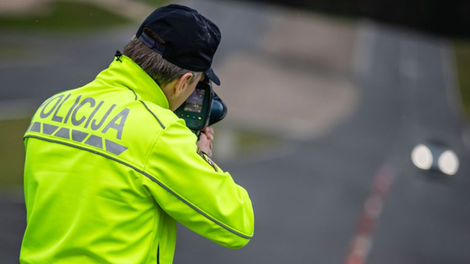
x: 203, y: 108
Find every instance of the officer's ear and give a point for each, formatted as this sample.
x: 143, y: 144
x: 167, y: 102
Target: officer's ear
x: 176, y: 91
x: 183, y: 83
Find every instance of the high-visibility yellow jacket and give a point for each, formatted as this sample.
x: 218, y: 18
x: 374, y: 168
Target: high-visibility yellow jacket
x: 110, y: 169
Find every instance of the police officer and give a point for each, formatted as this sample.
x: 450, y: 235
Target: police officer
x: 110, y: 168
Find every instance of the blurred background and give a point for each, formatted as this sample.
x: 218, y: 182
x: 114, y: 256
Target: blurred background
x: 347, y: 122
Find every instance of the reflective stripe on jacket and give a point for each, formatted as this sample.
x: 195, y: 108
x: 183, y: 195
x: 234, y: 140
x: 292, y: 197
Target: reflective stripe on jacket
x: 110, y: 169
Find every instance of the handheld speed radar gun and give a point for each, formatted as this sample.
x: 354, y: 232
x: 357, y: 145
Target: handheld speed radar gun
x: 203, y: 108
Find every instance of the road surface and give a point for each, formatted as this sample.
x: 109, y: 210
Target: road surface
x: 310, y: 197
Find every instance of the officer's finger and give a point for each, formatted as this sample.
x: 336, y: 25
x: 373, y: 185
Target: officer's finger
x: 208, y: 133
x: 203, y: 137
x: 204, y: 144
x: 210, y: 136
x: 209, y: 130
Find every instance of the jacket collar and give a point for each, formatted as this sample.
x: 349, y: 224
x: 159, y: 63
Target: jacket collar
x: 123, y: 72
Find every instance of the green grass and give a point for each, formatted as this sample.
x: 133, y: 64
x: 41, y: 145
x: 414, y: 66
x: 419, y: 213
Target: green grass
x: 462, y: 51
x: 64, y: 17
x: 12, y: 151
x: 247, y: 142
x: 252, y: 141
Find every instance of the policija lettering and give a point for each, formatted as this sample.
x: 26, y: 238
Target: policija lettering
x: 77, y: 119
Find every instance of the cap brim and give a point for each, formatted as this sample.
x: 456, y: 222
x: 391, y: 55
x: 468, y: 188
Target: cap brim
x: 211, y: 75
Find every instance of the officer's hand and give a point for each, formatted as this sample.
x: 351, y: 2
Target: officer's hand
x: 204, y: 143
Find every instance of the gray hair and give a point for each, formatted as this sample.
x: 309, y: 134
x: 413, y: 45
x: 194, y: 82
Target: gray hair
x: 159, y: 69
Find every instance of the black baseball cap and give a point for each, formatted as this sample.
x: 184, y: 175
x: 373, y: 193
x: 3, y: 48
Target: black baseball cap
x: 183, y: 37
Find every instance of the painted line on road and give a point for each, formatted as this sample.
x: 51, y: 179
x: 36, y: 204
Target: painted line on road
x: 363, y: 240
x: 407, y: 62
x: 363, y: 49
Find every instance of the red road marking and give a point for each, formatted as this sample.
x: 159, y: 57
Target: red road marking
x: 362, y: 241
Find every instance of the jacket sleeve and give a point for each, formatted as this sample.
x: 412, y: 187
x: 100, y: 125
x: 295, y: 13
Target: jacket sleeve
x: 195, y: 191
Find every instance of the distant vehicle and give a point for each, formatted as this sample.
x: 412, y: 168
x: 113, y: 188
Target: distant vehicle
x: 435, y: 158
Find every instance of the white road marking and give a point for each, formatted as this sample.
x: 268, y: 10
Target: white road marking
x: 363, y: 49
x: 407, y: 63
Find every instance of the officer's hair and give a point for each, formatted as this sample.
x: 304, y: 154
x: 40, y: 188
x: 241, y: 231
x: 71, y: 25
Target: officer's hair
x: 159, y: 69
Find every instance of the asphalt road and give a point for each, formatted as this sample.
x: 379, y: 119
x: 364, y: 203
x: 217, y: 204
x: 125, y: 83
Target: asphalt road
x: 309, y: 201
